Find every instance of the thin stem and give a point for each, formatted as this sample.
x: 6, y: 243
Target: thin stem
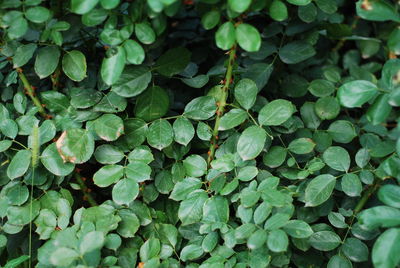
x: 222, y: 103
x: 31, y: 93
x: 85, y: 190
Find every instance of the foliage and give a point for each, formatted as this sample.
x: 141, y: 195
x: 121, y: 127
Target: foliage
x: 207, y: 133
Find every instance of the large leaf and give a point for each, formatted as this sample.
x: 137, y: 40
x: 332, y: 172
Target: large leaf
x: 75, y: 146
x: 276, y: 112
x: 46, y: 61
x: 160, y: 134
x: 385, y: 253
x: 356, y: 93
x: 132, y: 82
x: 113, y: 66
x: 19, y: 164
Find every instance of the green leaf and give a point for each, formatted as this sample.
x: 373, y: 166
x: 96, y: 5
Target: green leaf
x: 46, y: 61
x: 337, y: 261
x: 319, y: 190
x: 385, y: 252
x: 232, y: 119
x: 9, y: 128
x: 53, y: 162
x: 134, y: 52
x: 125, y: 191
x: 327, y: 108
x: 216, y: 209
x: 210, y: 19
x: 356, y: 93
x: 324, y: 240
x: 351, y: 185
x: 379, y: 111
x: 63, y: 256
x: 129, y: 224
x: 109, y: 4
x: 19, y: 164
x: 138, y: 171
x: 109, y: 127
x: 195, y: 165
x: 296, y: 52
x: 278, y: 10
x: 210, y: 241
x: 225, y: 36
x: 108, y: 175
x: 275, y: 156
x: 198, y: 81
x: 83, y: 6
x: 84, y: 98
x: 248, y: 36
x: 75, y: 146
x: 389, y: 194
x: 342, y: 131
x: 150, y: 249
x: 379, y: 216
x: 152, y: 104
x: 113, y: 66
x: 173, y: 61
x: 16, y: 262
x: 337, y: 158
x: 278, y: 241
x: 191, y: 252
x: 247, y: 173
x: 257, y: 239
x: 246, y: 93
x: 183, y: 131
x: 94, y: 17
x: 37, y: 14
x: 355, y: 250
x: 91, y: 241
x: 191, y: 209
x: 239, y: 6
x: 321, y: 88
x: 299, y: 2
x: 327, y: 6
x: 160, y: 134
x: 201, y: 108
x: 377, y: 11
x: 144, y: 33
x: 276, y: 112
x: 301, y: 146
x: 23, y: 54
x: 298, y: 229
x: 251, y: 142
x: 183, y: 188
x: 74, y: 65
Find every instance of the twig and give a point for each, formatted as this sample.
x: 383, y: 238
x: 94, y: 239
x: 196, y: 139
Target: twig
x: 85, y: 190
x: 221, y: 103
x: 31, y: 93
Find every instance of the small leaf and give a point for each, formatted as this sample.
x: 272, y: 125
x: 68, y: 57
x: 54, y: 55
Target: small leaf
x: 201, y: 108
x: 113, y: 66
x: 251, y: 142
x: 232, y: 119
x: 276, y: 112
x: 325, y: 240
x: 53, y: 162
x: 351, y: 185
x: 134, y: 52
x: 319, y: 190
x: 144, y: 33
x: 301, y: 146
x: 19, y: 164
x: 246, y: 93
x: 83, y: 6
x: 74, y: 65
x: 278, y: 10
x: 91, y: 241
x: 173, y: 61
x: 337, y: 158
x: 108, y: 175
x: 125, y: 191
x: 160, y: 134
x: 296, y: 52
x: 356, y: 93
x: 46, y: 61
x: 183, y: 131
x: 23, y: 54
x: 152, y: 104
x: 239, y: 6
x: 278, y: 241
x: 355, y: 250
x: 248, y: 37
x: 109, y: 127
x: 225, y: 36
x: 75, y: 146
x: 298, y: 229
x: 37, y: 14
x: 195, y: 165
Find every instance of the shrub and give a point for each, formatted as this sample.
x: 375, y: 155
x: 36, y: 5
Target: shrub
x: 200, y: 133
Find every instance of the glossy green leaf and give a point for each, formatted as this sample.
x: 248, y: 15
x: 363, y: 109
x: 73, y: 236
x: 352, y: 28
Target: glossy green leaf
x: 248, y: 36
x: 216, y: 209
x: 160, y: 134
x: 239, y: 6
x: 152, y: 104
x: 246, y: 92
x: 83, y: 6
x: 232, y: 119
x: 144, y: 33
x: 386, y: 248
x: 37, y: 14
x: 108, y: 175
x: 276, y: 112
x: 19, y: 164
x: 125, y: 191
x: 251, y: 142
x: 46, y: 61
x: 210, y: 19
x: 355, y: 250
x: 337, y: 158
x: 109, y: 127
x: 356, y: 93
x: 195, y: 165
x: 324, y: 240
x: 296, y: 52
x: 389, y: 194
x: 351, y: 185
x: 113, y: 66
x: 379, y: 216
x: 377, y: 11
x: 301, y: 146
x: 201, y: 108
x: 74, y: 65
x: 75, y: 146
x: 53, y: 162
x: 23, y: 54
x: 138, y: 171
x: 319, y: 190
x: 183, y: 131
x: 277, y: 241
x: 337, y: 261
x: 298, y: 229
x: 278, y: 10
x: 225, y: 36
x: 134, y: 52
